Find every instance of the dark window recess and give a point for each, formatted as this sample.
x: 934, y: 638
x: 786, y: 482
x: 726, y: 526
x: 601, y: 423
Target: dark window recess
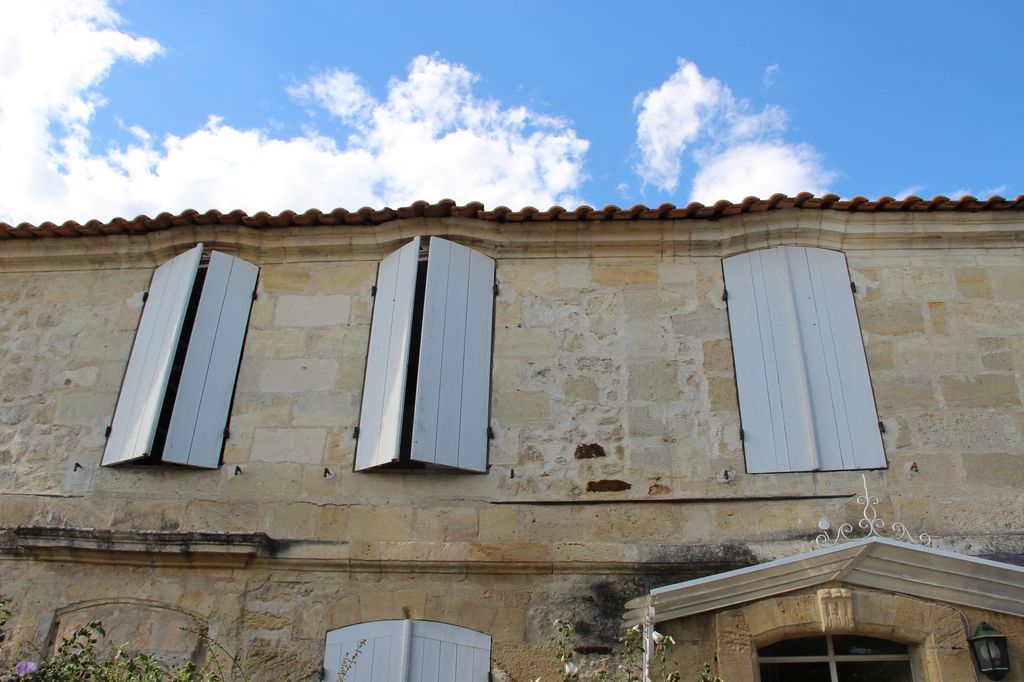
x: 179, y: 363
x: 409, y: 407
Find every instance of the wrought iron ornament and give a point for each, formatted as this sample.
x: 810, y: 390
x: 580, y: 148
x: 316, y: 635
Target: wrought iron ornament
x: 871, y: 524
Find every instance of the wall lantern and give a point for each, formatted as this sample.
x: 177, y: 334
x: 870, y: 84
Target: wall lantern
x: 990, y: 652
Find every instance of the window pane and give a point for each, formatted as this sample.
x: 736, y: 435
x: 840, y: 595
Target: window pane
x: 847, y: 645
x: 795, y: 672
x: 875, y: 671
x: 801, y: 646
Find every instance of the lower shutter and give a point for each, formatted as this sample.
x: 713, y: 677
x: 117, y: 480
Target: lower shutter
x: 407, y: 651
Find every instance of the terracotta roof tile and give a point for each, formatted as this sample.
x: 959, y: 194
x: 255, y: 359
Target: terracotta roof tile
x: 368, y: 216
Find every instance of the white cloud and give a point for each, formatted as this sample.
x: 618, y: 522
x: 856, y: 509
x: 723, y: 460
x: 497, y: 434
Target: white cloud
x: 339, y: 92
x: 760, y: 169
x: 429, y: 138
x: 737, y: 153
x: 771, y: 72
x: 671, y: 116
x: 995, y: 191
x: 914, y: 190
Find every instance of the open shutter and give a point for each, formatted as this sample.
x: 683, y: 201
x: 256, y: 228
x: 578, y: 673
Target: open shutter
x: 195, y: 435
x: 844, y: 409
x: 149, y: 366
x: 408, y: 651
x: 387, y: 361
x: 454, y: 377
x: 801, y: 374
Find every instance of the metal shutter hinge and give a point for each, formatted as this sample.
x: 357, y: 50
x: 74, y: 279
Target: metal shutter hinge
x: 741, y: 434
x: 145, y: 296
x: 254, y: 294
x: 853, y: 287
x: 355, y: 432
x: 106, y: 431
x: 881, y: 427
x: 373, y: 290
x: 725, y: 294
x: 495, y: 288
x: 227, y: 434
x: 490, y: 433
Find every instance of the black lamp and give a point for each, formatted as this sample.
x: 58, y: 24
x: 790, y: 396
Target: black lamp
x: 990, y: 652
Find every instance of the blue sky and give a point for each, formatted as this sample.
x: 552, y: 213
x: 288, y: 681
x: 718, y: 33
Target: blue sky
x: 134, y: 107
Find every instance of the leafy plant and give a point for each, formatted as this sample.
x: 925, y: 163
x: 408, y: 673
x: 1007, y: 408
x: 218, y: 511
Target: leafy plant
x: 624, y: 665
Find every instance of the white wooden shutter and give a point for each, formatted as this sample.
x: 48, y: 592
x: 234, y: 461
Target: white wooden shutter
x: 844, y: 405
x: 440, y: 652
x: 149, y: 366
x: 805, y: 395
x: 195, y: 435
x: 387, y: 360
x: 454, y: 378
x: 408, y: 651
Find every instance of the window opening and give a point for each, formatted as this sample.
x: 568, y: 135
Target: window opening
x: 173, y: 382
x: 409, y: 409
x: 835, y: 658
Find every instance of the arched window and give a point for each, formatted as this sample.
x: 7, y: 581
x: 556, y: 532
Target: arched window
x: 835, y: 658
x: 407, y: 651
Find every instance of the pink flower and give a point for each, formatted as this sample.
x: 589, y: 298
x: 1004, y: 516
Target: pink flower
x: 25, y: 668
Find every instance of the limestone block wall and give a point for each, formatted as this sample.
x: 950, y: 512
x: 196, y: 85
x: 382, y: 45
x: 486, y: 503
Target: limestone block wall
x: 616, y: 463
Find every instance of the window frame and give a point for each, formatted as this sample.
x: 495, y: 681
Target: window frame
x: 832, y: 658
x: 803, y: 385
x: 178, y: 387
x: 415, y: 317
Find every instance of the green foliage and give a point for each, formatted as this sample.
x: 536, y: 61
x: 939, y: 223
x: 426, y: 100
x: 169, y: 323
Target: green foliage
x: 79, y: 658
x: 624, y: 665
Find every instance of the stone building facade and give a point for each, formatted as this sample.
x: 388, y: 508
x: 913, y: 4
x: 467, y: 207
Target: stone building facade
x: 616, y: 462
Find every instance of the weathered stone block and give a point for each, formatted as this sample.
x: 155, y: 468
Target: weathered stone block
x: 973, y: 283
x: 986, y: 432
x: 1008, y: 281
x: 288, y: 445
x: 524, y: 343
x: 312, y: 311
x: 286, y: 278
x: 380, y: 524
x: 624, y: 275
x: 653, y: 381
x: 81, y: 407
x: 580, y: 388
x: 293, y: 376
x: 347, y: 278
x: 263, y: 481
x: 276, y: 343
x: 450, y: 524
x: 892, y: 318
x: 902, y: 392
x: 343, y: 341
x: 522, y: 407
x: 995, y: 469
x: 984, y: 390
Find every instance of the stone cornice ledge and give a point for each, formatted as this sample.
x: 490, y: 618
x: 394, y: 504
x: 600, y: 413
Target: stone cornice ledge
x: 137, y: 547
x: 261, y: 552
x: 612, y: 239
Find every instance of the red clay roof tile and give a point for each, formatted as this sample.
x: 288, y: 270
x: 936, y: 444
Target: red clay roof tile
x: 475, y: 210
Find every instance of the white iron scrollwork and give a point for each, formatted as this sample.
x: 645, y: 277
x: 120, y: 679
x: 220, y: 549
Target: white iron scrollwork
x: 870, y: 523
